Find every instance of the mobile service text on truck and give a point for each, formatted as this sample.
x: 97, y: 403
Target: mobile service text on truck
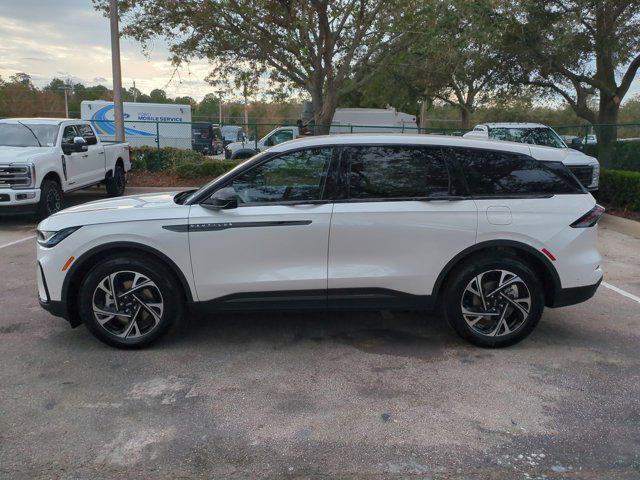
x: 43, y: 158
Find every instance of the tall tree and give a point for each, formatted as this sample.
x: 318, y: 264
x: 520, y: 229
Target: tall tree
x: 576, y: 49
x: 310, y: 44
x: 457, y: 61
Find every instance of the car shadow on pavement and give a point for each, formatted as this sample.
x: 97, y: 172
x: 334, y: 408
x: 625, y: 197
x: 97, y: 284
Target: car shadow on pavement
x: 403, y: 334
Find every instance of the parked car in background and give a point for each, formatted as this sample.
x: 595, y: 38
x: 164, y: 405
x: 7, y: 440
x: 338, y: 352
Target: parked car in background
x: 545, y: 144
x: 232, y: 133
x: 206, y: 138
x: 248, y: 148
x: 478, y: 229
x: 43, y: 158
x: 590, y: 140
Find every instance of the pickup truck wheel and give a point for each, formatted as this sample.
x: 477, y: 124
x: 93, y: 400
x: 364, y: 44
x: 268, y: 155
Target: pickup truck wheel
x: 116, y: 183
x: 130, y: 301
x: 50, y: 199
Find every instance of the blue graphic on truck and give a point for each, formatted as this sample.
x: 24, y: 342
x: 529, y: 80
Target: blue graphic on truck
x: 107, y: 127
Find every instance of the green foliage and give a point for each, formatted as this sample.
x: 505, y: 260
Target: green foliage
x: 620, y: 189
x: 206, y: 169
x: 167, y: 159
x: 625, y: 155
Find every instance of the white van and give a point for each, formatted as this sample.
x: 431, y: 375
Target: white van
x: 144, y: 123
x: 372, y: 120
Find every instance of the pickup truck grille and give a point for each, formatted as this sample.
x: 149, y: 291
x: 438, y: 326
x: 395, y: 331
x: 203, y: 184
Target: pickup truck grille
x: 584, y: 173
x: 15, y: 176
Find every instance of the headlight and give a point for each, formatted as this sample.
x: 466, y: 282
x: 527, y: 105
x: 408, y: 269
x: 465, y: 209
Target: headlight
x: 51, y: 239
x: 595, y: 179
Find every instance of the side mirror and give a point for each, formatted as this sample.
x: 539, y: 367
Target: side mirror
x: 224, y: 199
x: 268, y: 142
x: 576, y: 143
x: 80, y: 144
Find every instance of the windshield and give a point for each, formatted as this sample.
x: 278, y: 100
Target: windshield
x: 28, y: 135
x: 534, y: 136
x: 196, y: 193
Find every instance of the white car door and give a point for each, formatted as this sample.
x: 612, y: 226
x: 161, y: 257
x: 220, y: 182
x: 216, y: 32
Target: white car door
x: 77, y: 166
x: 96, y: 160
x: 275, y: 242
x: 401, y: 220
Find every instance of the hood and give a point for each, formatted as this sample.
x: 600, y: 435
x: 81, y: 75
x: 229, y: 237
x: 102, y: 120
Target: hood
x: 149, y: 206
x: 23, y: 154
x: 568, y: 156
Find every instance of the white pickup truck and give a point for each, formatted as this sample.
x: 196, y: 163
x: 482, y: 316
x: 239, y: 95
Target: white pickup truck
x: 248, y: 148
x: 545, y: 144
x: 43, y: 158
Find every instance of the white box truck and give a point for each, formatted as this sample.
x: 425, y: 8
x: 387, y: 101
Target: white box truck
x: 372, y: 120
x: 144, y: 122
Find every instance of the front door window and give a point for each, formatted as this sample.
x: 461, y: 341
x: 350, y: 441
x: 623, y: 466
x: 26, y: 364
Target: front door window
x: 295, y: 176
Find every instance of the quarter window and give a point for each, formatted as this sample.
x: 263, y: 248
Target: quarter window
x: 295, y: 176
x: 393, y: 172
x: 503, y: 173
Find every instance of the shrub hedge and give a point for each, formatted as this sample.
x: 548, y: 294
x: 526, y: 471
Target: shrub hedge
x: 167, y: 159
x: 620, y: 189
x: 625, y: 155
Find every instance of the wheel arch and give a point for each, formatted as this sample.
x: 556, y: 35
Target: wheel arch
x: 541, y: 265
x: 52, y: 175
x: 243, y: 153
x: 87, y: 260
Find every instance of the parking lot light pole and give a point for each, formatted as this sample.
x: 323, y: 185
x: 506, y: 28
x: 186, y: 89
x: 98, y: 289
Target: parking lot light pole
x: 118, y: 111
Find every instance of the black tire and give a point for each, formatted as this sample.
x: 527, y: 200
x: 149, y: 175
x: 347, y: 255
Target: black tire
x: 243, y: 154
x: 51, y: 199
x: 147, y: 329
x: 515, y: 326
x: 117, y: 182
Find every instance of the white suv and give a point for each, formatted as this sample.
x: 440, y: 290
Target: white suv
x: 478, y: 228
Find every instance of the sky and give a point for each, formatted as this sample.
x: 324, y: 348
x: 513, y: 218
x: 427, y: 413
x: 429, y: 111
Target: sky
x: 69, y: 39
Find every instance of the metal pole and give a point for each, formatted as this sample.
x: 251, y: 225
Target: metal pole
x: 66, y: 103
x: 220, y: 110
x: 118, y: 110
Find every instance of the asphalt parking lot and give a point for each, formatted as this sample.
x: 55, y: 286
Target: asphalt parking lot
x: 353, y: 395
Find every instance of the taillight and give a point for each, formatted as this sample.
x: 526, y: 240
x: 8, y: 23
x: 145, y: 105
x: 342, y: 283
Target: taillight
x: 590, y: 218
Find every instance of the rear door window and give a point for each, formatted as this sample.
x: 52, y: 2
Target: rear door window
x: 495, y: 173
x: 396, y: 172
x: 88, y: 134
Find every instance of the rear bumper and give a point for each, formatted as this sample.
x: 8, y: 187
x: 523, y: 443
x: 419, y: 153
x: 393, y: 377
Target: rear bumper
x: 575, y: 295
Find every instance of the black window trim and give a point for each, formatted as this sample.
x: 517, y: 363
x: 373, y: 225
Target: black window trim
x: 335, y: 180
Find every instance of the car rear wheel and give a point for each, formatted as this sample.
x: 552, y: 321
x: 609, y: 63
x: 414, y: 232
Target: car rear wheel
x: 117, y: 182
x: 494, y: 302
x: 130, y: 302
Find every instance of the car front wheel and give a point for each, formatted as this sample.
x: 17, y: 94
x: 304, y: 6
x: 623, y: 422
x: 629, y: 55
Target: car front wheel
x: 494, y: 302
x: 129, y: 302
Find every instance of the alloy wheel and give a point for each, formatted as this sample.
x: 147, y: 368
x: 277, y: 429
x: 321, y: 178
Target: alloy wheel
x: 53, y: 201
x: 127, y: 304
x: 496, y: 303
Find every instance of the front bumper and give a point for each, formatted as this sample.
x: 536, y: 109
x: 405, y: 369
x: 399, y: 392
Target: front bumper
x: 575, y: 295
x: 18, y: 201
